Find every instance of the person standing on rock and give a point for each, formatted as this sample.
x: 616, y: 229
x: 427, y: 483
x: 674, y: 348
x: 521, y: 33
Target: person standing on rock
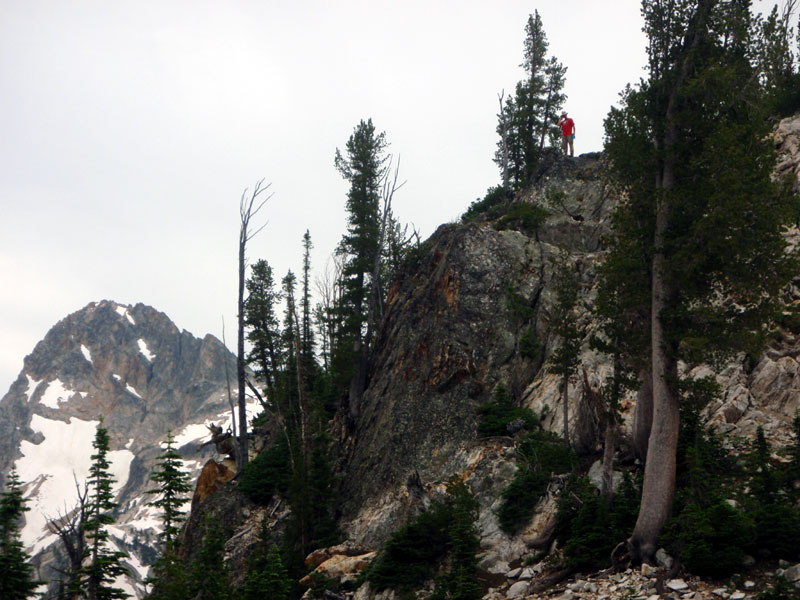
x: 567, y: 133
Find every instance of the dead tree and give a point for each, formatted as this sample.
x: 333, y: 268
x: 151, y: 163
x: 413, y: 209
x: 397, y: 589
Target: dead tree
x: 231, y: 403
x: 69, y: 527
x: 248, y: 208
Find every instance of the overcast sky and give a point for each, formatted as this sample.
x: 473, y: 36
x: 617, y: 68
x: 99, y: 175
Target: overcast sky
x: 128, y: 131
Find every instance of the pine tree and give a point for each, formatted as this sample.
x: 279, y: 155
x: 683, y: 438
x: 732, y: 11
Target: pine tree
x: 262, y: 322
x: 168, y: 578
x: 529, y: 116
x: 209, y: 576
x: 104, y: 565
x: 691, y: 146
x: 307, y: 344
x: 16, y: 572
x: 459, y: 581
x: 266, y: 575
x: 364, y: 167
x: 564, y: 360
x: 173, y: 485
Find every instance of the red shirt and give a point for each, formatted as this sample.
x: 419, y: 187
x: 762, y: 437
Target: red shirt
x: 567, y: 126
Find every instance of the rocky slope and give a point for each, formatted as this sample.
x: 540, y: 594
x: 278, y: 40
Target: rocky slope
x: 453, y: 330
x: 131, y: 366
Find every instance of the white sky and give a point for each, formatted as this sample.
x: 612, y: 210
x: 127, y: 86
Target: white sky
x: 129, y: 129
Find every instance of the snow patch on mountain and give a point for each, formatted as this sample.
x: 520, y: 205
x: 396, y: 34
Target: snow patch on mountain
x: 52, y: 469
x: 145, y: 350
x: 123, y: 312
x: 133, y: 391
x: 56, y: 392
x: 86, y: 354
x: 32, y: 385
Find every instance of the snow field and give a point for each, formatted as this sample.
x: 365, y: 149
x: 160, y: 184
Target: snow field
x: 65, y: 455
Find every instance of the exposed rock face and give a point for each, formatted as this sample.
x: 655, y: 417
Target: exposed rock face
x: 135, y: 369
x: 452, y: 330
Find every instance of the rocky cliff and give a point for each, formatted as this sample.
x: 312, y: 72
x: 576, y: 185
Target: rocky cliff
x: 131, y: 366
x: 453, y: 330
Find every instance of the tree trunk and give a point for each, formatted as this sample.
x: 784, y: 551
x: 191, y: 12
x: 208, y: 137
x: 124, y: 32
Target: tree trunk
x: 609, y: 446
x: 565, y: 398
x: 658, y: 487
x: 659, y: 473
x: 643, y: 413
x: 242, y: 453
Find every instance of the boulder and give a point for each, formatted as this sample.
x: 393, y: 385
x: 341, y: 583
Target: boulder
x: 518, y: 589
x: 340, y: 566
x: 213, y: 476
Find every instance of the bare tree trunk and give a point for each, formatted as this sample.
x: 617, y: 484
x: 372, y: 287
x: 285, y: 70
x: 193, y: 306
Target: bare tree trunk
x: 246, y: 212
x: 228, y: 381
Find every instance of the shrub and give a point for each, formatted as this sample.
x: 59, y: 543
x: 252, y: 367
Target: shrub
x: 411, y: 555
x: 590, y: 526
x: 529, y: 346
x: 523, y: 217
x: 500, y: 416
x: 709, y: 540
x: 541, y: 453
x: 267, y: 473
x: 490, y: 206
x: 780, y: 590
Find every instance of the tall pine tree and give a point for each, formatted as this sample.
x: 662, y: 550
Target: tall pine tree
x: 529, y: 116
x: 363, y: 165
x: 102, y: 565
x: 691, y: 145
x: 265, y: 354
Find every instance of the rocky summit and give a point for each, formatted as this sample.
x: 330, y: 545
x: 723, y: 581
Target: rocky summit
x: 132, y: 367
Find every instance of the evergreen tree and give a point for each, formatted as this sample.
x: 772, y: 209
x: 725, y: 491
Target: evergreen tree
x: 16, y: 572
x: 564, y: 360
x: 691, y: 146
x: 306, y: 332
x: 168, y: 578
x: 266, y: 575
x: 264, y: 329
x: 209, y: 576
x: 460, y: 581
x: 529, y: 116
x: 364, y: 166
x: 103, y: 565
x: 174, y: 484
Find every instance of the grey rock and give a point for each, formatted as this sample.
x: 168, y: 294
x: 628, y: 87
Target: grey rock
x: 596, y: 476
x: 518, y: 589
x: 527, y: 573
x: 792, y: 573
x: 721, y: 592
x: 738, y: 595
x: 749, y: 585
x: 663, y: 559
x: 677, y: 585
x: 514, y: 573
